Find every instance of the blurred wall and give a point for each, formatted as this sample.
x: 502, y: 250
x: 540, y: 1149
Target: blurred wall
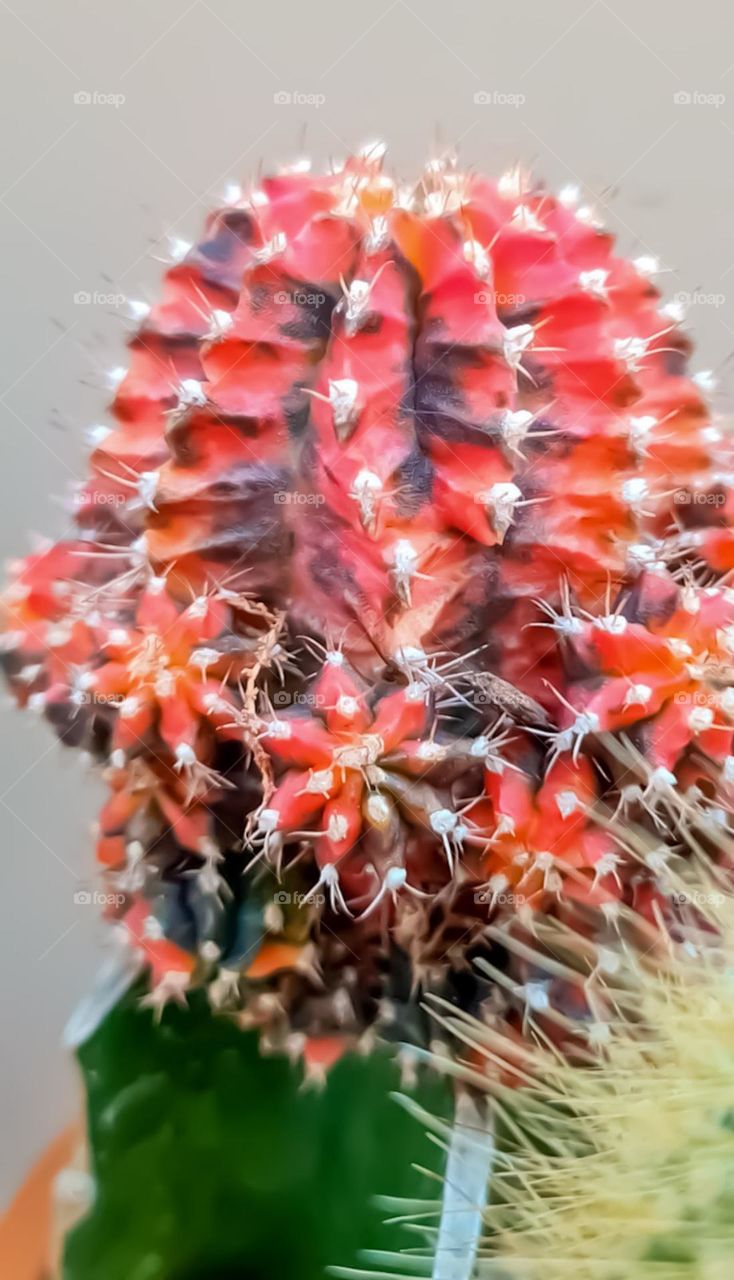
x: 124, y: 122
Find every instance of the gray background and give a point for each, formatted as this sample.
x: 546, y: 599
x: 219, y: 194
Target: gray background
x: 89, y: 191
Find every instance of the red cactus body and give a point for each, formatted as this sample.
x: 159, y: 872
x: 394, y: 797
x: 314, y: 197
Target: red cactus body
x: 410, y: 514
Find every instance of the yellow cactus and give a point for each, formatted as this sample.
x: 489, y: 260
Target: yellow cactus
x: 621, y: 1168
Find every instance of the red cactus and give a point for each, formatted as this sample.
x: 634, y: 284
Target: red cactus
x: 430, y: 463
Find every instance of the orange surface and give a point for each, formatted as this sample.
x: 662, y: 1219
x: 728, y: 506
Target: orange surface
x: 26, y: 1228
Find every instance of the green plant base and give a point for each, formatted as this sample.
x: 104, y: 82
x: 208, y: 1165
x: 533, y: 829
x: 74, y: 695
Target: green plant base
x: 212, y: 1162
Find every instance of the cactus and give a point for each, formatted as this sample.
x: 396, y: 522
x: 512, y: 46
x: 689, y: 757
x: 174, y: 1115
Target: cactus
x: 623, y: 1166
x: 397, y: 616
x: 408, y: 515
x: 220, y: 1164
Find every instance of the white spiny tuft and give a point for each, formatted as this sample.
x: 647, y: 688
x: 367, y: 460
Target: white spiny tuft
x: 178, y: 248
x: 501, y: 501
x: 515, y: 342
x: 594, y: 282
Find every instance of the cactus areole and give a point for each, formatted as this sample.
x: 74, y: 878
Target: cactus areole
x: 407, y: 516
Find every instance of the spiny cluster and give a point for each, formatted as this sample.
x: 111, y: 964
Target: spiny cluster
x: 399, y: 586
x: 624, y: 1168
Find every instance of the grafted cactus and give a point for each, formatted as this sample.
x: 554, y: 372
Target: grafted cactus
x: 408, y: 509
x: 398, y: 597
